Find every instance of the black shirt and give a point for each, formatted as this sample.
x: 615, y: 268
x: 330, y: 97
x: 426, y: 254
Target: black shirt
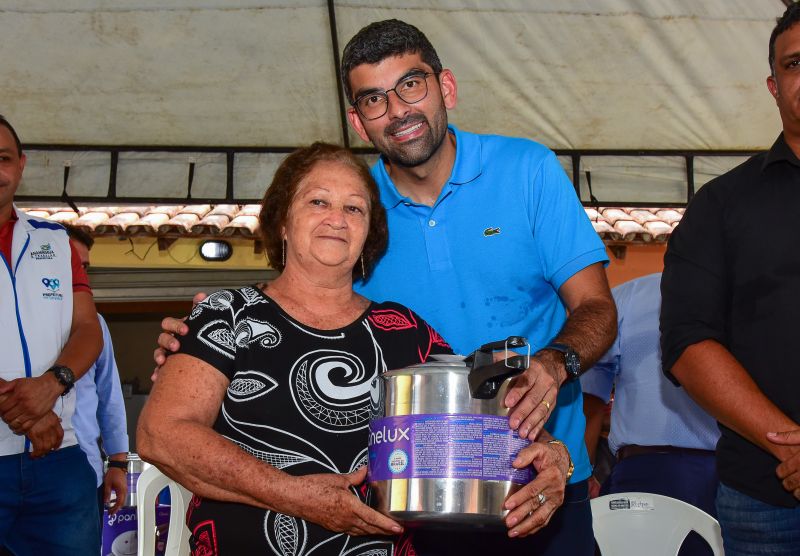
x: 732, y: 274
x: 299, y: 399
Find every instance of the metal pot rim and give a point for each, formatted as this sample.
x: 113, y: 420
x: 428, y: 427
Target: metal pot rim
x: 433, y: 367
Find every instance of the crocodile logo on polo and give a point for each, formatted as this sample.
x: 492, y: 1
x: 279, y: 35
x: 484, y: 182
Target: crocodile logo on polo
x: 493, y: 231
x: 45, y: 252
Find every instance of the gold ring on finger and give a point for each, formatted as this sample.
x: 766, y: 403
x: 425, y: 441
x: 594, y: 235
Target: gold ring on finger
x: 546, y: 404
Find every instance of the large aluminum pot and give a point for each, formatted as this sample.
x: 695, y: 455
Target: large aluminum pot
x: 440, y: 453
x: 135, y: 468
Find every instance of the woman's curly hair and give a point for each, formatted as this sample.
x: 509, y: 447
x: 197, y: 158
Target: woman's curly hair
x: 281, y: 192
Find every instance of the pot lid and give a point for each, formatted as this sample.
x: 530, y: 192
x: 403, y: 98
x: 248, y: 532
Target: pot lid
x: 441, y: 363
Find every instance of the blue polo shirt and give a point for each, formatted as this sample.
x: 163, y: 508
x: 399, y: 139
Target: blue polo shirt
x: 487, y: 259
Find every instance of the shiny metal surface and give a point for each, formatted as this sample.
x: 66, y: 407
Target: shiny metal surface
x: 443, y: 503
x: 135, y: 468
x: 440, y: 388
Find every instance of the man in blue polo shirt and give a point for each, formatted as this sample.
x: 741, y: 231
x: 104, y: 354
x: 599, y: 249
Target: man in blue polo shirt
x: 487, y: 239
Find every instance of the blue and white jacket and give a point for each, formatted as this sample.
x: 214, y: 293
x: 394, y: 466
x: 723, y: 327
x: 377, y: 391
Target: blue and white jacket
x: 35, y: 313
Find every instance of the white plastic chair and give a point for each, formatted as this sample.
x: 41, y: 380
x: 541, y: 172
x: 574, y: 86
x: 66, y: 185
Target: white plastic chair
x: 151, y: 482
x: 636, y: 523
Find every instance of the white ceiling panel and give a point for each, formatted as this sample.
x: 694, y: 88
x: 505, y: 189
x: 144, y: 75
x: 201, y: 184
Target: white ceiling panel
x: 572, y: 74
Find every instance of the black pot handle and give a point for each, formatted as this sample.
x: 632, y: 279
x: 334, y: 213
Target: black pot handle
x: 487, y: 375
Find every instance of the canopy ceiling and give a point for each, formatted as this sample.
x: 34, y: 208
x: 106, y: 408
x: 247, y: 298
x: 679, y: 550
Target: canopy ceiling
x: 573, y: 74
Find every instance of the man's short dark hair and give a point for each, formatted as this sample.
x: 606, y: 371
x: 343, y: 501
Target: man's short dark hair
x: 79, y: 235
x: 785, y: 22
x: 385, y: 39
x: 6, y: 124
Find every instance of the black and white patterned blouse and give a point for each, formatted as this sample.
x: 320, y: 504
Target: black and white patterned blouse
x: 299, y: 399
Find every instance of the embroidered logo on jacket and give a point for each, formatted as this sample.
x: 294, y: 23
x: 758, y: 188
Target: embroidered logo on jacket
x: 491, y: 232
x: 45, y: 252
x: 52, y: 285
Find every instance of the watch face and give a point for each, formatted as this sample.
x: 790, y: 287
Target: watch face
x: 64, y: 375
x: 572, y: 363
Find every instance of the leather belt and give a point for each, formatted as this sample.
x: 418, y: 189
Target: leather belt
x: 635, y: 450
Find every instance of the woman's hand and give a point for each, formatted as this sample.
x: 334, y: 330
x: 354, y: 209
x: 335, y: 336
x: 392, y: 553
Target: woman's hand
x: 532, y: 506
x: 329, y: 501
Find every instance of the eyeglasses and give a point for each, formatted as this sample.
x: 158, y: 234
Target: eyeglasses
x: 410, y: 89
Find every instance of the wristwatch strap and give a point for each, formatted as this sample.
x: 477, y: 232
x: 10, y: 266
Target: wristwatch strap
x: 64, y: 376
x: 118, y: 465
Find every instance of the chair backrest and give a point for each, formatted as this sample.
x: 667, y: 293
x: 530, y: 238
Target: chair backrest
x: 635, y: 523
x: 151, y: 482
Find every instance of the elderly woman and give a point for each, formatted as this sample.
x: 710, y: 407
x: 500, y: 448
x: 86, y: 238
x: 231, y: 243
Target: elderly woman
x: 263, y: 414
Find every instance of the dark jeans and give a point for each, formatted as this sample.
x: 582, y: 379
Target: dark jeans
x: 750, y: 526
x: 569, y: 533
x: 48, y: 506
x: 691, y: 478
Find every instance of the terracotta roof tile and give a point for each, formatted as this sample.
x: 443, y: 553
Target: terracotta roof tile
x: 612, y: 215
x: 670, y: 216
x: 211, y: 224
x: 64, y: 217
x: 250, y: 210
x: 117, y: 224
x: 90, y: 220
x: 613, y: 224
x: 604, y: 229
x: 169, y: 210
x: 243, y: 225
x: 632, y: 231
x: 225, y: 210
x: 659, y: 231
x: 39, y: 213
x: 643, y: 215
x: 149, y: 223
x: 179, y: 224
x: 197, y: 210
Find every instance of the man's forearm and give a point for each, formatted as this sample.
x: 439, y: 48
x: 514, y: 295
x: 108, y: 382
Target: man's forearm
x: 721, y: 386
x: 82, y: 348
x: 590, y: 330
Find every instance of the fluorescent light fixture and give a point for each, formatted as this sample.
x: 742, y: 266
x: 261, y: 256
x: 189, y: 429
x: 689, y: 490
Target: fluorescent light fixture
x: 216, y: 250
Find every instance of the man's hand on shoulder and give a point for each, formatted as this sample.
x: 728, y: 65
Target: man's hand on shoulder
x: 168, y: 342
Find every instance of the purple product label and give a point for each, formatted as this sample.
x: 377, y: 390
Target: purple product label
x: 119, y: 532
x: 441, y: 446
x: 120, y: 536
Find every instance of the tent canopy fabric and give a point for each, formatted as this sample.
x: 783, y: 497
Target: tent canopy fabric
x: 623, y: 75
